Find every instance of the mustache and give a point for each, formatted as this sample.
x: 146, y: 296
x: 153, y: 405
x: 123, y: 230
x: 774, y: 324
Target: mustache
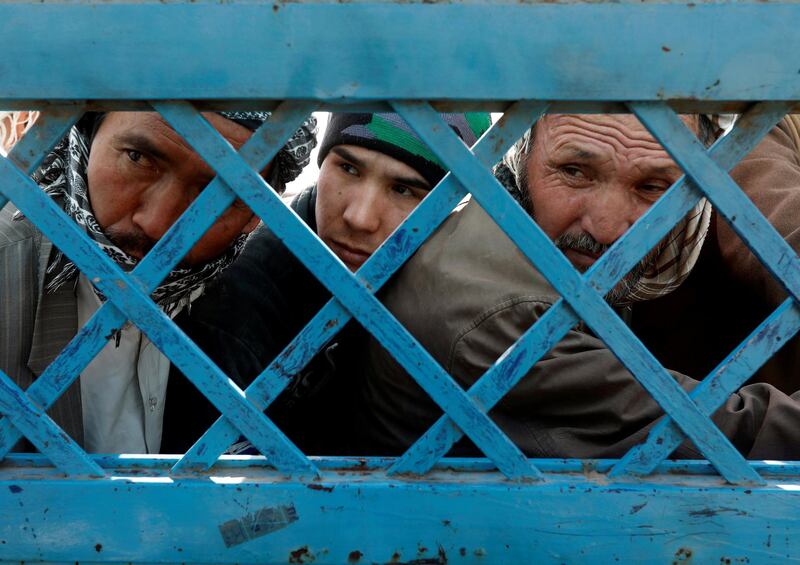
x: 132, y: 243
x: 582, y: 242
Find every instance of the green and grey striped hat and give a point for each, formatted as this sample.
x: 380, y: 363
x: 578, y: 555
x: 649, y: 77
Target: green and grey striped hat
x: 391, y: 135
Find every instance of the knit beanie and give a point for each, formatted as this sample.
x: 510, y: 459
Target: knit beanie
x: 391, y: 135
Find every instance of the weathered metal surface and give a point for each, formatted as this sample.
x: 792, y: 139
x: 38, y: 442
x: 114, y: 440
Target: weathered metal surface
x: 458, y: 515
x: 379, y: 50
x: 588, y: 56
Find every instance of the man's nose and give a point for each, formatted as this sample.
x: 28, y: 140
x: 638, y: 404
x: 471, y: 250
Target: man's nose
x: 362, y: 212
x: 159, y: 207
x: 609, y: 214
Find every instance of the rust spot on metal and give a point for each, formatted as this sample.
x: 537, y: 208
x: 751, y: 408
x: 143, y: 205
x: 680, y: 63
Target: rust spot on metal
x: 355, y: 556
x: 315, y: 486
x: 462, y: 552
x: 301, y: 555
x: 665, y: 49
x: 637, y: 507
x: 711, y: 512
x: 331, y: 323
x: 728, y: 560
x: 440, y: 559
x: 98, y: 547
x: 682, y: 555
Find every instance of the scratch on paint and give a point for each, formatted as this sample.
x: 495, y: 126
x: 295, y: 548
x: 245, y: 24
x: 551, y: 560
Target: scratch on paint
x: 257, y: 524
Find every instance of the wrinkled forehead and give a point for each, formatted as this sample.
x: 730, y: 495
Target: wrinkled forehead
x: 154, y: 124
x: 617, y: 130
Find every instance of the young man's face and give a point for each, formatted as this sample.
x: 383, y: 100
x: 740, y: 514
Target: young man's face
x: 142, y: 175
x: 362, y: 196
x: 590, y: 177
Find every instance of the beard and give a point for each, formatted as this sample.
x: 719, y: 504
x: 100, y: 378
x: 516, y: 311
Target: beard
x: 585, y: 243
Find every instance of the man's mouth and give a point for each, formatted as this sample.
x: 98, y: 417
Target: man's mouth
x: 581, y: 258
x: 353, y: 257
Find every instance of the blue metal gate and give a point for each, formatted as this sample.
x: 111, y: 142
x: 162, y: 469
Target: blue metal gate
x: 522, y: 58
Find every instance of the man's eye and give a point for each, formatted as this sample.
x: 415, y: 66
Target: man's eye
x: 138, y: 158
x: 573, y: 171
x: 653, y: 188
x: 402, y: 190
x: 349, y: 169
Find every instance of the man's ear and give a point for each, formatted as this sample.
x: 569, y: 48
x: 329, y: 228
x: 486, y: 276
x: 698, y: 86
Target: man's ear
x: 252, y: 224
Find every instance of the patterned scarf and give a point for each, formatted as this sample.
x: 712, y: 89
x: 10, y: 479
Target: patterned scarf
x: 63, y: 177
x: 676, y: 254
x: 293, y: 157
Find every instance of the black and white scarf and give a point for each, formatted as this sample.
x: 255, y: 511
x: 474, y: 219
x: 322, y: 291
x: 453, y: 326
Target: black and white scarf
x: 63, y: 177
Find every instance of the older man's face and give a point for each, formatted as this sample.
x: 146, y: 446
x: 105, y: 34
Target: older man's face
x: 590, y: 177
x: 142, y: 175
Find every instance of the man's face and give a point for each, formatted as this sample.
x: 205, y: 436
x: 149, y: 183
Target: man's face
x: 590, y: 177
x: 142, y: 175
x: 362, y: 196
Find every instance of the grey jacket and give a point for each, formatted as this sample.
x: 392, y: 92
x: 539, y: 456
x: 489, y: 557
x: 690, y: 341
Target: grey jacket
x: 467, y: 295
x: 34, y: 327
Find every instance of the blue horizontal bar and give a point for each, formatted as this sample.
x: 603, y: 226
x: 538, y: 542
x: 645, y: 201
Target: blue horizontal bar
x: 247, y: 516
x: 258, y: 466
x: 251, y: 49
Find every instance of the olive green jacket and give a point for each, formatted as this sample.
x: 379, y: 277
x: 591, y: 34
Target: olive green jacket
x: 467, y: 295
